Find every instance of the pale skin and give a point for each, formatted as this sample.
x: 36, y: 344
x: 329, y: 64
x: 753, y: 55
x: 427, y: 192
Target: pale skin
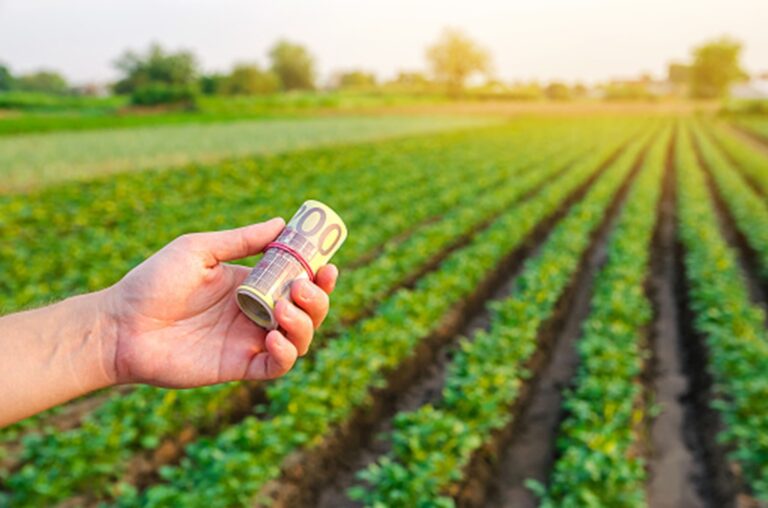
x: 172, y: 321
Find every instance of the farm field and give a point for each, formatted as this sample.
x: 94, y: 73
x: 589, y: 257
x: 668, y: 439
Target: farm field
x: 26, y: 160
x: 552, y: 310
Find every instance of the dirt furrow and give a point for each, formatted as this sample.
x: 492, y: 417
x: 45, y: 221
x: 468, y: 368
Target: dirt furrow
x: 674, y: 464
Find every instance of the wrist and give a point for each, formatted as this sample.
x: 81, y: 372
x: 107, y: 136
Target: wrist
x: 104, y: 336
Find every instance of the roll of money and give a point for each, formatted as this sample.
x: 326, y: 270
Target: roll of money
x: 309, y: 240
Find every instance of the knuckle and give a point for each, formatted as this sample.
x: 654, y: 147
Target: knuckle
x: 186, y: 241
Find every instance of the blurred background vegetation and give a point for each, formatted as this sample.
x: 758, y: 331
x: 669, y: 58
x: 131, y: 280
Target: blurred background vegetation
x: 157, y: 82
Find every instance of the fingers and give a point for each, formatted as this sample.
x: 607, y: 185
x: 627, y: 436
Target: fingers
x: 326, y: 278
x: 297, y: 324
x: 311, y: 299
x: 237, y: 243
x: 276, y: 361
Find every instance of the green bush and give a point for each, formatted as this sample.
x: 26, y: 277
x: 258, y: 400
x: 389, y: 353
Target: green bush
x: 161, y: 93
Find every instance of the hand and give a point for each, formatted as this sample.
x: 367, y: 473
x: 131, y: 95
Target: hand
x: 176, y: 322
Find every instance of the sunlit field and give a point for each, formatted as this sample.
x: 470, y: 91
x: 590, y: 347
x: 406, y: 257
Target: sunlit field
x: 487, y: 268
x: 549, y: 219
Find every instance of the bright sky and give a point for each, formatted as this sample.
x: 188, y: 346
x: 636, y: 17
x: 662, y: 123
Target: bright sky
x: 586, y: 40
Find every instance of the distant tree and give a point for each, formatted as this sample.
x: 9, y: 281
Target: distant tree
x: 579, y: 90
x: 454, y: 58
x: 158, y: 77
x: 678, y: 73
x: 293, y: 65
x: 43, y: 81
x: 557, y: 91
x: 156, y: 66
x: 6, y: 79
x: 411, y: 78
x: 716, y: 65
x: 525, y: 91
x: 355, y: 79
x: 249, y: 79
x: 211, y: 84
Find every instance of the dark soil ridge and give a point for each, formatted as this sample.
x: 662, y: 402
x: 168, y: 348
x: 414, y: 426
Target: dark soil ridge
x: 719, y: 483
x: 747, y: 178
x: 306, y: 472
x: 673, y: 461
x: 526, y: 447
x: 143, y: 469
x: 747, y: 257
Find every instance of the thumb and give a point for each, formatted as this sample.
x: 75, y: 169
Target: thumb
x: 242, y: 242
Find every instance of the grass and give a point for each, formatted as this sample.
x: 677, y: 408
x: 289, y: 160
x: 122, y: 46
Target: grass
x: 22, y: 113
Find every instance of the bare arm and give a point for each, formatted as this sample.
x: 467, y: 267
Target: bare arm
x: 172, y: 321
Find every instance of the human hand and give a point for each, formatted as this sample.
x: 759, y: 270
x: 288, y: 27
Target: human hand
x: 176, y: 323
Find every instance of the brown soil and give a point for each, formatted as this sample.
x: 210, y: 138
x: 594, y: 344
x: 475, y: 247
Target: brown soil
x: 307, y: 471
x: 673, y: 465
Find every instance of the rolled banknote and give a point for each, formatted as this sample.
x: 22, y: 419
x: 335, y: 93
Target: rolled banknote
x: 309, y: 240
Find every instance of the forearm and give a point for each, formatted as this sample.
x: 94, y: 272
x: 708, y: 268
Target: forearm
x: 53, y: 354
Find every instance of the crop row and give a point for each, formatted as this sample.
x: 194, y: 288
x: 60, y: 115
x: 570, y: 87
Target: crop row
x: 304, y: 406
x: 750, y: 160
x: 749, y: 209
x: 97, y: 450
x: 600, y: 441
x: 433, y: 445
x: 732, y: 327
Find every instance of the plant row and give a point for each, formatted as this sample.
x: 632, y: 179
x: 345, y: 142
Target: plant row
x: 732, y: 327
x: 599, y: 441
x: 99, y: 451
x: 751, y: 161
x: 748, y: 209
x: 306, y: 404
x: 432, y: 445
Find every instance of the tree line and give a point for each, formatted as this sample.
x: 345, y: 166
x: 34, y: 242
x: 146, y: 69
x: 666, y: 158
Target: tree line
x: 158, y: 76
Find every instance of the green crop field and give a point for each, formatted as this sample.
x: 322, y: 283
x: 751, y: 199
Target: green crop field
x: 515, y: 295
x: 27, y: 160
